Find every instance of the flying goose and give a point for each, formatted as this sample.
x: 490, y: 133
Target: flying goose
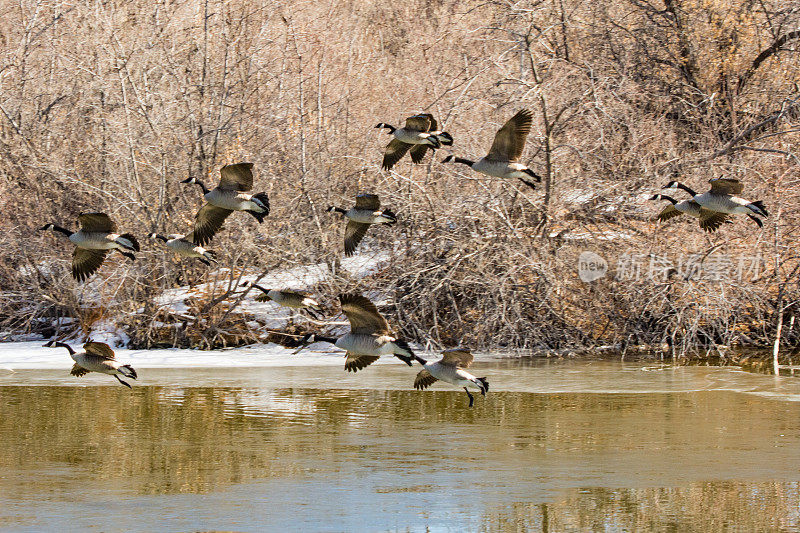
x: 503, y: 157
x: 419, y: 134
x: 96, y: 236
x: 365, y: 213
x: 227, y: 197
x: 369, y: 336
x: 287, y: 298
x: 450, y: 368
x: 688, y: 207
x: 96, y: 357
x: 184, y: 246
x: 722, y: 200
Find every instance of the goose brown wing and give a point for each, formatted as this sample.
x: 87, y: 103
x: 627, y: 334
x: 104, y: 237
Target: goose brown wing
x: 368, y: 201
x: 363, y: 315
x: 99, y: 349
x: 78, y: 371
x: 96, y: 222
x: 353, y: 233
x: 292, y: 297
x: 421, y: 122
x: 726, y: 186
x: 710, y: 221
x: 208, y: 222
x: 86, y: 262
x: 510, y: 139
x: 667, y: 213
x: 395, y: 151
x: 354, y: 363
x: 236, y: 177
x: 424, y: 380
x: 418, y: 152
x: 457, y: 357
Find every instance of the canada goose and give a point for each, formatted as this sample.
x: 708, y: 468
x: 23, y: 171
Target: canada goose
x: 722, y: 199
x: 96, y: 236
x: 96, y: 357
x: 184, y: 246
x: 365, y: 213
x: 287, y: 298
x: 688, y: 207
x: 450, y: 368
x: 419, y: 134
x: 227, y: 197
x: 369, y: 336
x: 503, y: 157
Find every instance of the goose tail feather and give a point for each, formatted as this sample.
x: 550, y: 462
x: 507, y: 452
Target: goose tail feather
x: 134, y: 244
x: 128, y: 371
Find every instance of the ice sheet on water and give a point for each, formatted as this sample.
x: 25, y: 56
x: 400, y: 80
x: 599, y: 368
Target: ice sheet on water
x: 24, y: 355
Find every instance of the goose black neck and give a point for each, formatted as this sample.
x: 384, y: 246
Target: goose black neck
x: 59, y: 229
x: 686, y: 188
x: 670, y: 199
x: 337, y: 210
x: 63, y: 345
x: 420, y: 360
x: 202, y: 185
x: 387, y: 126
x: 463, y: 161
x: 259, y: 287
x: 161, y: 237
x: 321, y: 338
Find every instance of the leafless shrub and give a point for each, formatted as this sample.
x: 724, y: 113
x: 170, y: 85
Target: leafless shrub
x: 105, y: 107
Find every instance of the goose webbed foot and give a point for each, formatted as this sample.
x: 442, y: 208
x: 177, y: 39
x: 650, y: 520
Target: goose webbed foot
x: 471, y: 397
x: 757, y: 220
x: 312, y: 314
x: 257, y: 216
x: 302, y: 342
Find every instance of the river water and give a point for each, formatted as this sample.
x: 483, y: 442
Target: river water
x: 554, y: 446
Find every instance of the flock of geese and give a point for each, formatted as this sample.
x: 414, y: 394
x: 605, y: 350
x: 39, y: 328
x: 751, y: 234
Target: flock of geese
x: 370, y: 336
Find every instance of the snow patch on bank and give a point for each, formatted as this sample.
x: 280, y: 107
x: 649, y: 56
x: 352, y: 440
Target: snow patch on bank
x: 108, y: 332
x: 301, y: 278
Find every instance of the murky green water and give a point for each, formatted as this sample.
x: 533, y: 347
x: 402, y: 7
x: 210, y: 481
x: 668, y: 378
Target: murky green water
x: 553, y: 447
